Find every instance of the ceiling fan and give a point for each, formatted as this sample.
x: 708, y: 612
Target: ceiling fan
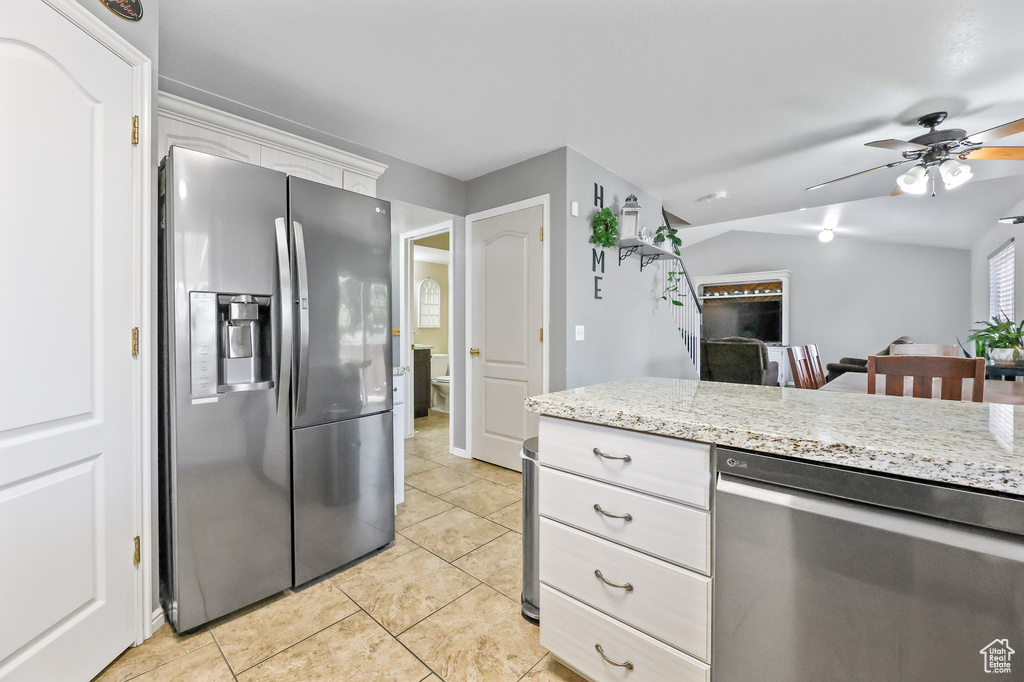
x: 945, y: 149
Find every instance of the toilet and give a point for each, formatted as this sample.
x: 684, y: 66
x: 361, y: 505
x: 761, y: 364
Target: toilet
x: 439, y: 382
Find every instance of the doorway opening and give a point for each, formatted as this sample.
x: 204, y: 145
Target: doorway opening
x: 429, y: 316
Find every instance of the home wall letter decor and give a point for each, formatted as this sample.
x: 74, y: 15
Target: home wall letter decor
x: 597, y: 258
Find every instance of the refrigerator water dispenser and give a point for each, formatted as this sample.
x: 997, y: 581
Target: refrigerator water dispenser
x: 232, y: 347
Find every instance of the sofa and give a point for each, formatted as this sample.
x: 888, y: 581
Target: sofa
x: 837, y: 369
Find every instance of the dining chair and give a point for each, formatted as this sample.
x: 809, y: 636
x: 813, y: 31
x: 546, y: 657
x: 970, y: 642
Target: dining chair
x: 925, y: 369
x: 925, y: 349
x: 800, y: 365
x: 814, y: 360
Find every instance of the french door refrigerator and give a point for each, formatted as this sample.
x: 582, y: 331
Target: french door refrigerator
x: 276, y: 451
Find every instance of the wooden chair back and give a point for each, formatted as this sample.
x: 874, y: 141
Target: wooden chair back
x: 800, y: 366
x: 924, y: 369
x: 814, y: 360
x: 924, y: 349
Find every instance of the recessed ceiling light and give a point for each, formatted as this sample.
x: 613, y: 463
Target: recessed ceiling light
x: 715, y: 196
x: 826, y: 235
x: 1013, y: 220
x: 803, y: 209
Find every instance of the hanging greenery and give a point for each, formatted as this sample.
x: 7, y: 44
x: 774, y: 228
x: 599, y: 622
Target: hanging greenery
x: 668, y: 234
x: 606, y: 228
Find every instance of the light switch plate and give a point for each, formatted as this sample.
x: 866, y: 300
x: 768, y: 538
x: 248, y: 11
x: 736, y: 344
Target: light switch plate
x: 579, y: 332
x: 574, y: 208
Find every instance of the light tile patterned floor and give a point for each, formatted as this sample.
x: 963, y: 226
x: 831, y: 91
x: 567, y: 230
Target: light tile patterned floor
x: 441, y: 604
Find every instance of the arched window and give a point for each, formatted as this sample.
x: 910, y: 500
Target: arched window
x: 430, y: 303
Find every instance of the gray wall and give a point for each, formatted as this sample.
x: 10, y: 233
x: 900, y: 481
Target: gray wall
x: 402, y: 181
x: 544, y: 174
x: 630, y: 331
x: 851, y: 297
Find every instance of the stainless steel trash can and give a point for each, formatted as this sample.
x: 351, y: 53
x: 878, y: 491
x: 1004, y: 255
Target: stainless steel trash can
x: 531, y: 534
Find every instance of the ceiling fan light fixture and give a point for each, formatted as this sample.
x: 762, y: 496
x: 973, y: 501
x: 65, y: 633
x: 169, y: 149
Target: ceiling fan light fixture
x: 914, y: 181
x: 954, y: 173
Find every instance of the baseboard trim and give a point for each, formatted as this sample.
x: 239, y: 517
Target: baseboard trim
x: 158, y: 618
x: 460, y: 452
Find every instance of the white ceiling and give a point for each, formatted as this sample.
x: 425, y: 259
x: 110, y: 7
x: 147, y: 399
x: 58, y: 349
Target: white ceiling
x: 757, y: 99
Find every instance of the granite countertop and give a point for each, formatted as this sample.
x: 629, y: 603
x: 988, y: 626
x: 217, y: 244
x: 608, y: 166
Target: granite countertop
x: 978, y: 445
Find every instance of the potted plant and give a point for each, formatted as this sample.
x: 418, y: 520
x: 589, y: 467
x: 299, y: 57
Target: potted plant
x: 606, y: 228
x: 999, y: 340
x: 668, y: 234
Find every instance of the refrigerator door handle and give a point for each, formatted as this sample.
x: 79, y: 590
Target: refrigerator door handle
x: 303, y: 307
x: 284, y: 273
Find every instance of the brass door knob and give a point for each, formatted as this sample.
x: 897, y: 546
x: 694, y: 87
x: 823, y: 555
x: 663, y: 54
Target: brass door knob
x: 474, y: 351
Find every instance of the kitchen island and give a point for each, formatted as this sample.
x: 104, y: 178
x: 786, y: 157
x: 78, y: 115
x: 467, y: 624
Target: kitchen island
x: 643, y: 536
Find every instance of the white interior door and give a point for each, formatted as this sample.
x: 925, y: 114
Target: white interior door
x: 506, y: 279
x: 69, y: 382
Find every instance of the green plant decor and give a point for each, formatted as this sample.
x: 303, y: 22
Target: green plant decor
x: 668, y: 234
x: 997, y: 334
x: 606, y: 228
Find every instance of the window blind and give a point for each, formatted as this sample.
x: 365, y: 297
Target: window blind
x: 1000, y: 283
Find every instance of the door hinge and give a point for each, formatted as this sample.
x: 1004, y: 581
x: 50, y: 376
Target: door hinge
x: 135, y: 129
x: 135, y: 341
x: 542, y: 234
x: 137, y: 557
x: 542, y: 333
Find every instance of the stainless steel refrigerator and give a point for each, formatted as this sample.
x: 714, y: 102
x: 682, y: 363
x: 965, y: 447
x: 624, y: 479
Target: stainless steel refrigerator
x: 276, y: 451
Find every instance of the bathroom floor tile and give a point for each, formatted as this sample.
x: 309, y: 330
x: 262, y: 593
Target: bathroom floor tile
x: 481, y: 497
x: 259, y: 634
x: 165, y: 645
x: 510, y: 517
x: 419, y: 506
x: 479, y: 637
x: 499, y: 564
x: 408, y: 589
x: 453, y: 533
x: 357, y: 648
x: 439, y: 480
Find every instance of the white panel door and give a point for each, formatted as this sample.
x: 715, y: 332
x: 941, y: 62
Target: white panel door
x: 507, y: 315
x: 67, y: 433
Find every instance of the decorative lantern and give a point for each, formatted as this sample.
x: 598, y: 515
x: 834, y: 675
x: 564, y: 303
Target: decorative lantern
x: 629, y: 224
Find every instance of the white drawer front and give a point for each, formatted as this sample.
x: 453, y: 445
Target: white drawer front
x: 664, y: 601
x: 674, y: 532
x: 571, y: 630
x: 667, y: 467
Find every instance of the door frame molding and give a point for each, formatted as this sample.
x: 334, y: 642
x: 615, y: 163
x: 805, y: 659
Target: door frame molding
x: 405, y: 308
x: 543, y: 201
x: 143, y: 273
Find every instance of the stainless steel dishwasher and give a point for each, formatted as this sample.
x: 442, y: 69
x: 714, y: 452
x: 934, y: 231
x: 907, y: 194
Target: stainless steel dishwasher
x: 825, y: 573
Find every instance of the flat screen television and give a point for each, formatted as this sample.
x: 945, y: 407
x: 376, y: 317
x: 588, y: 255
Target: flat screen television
x: 752, y: 318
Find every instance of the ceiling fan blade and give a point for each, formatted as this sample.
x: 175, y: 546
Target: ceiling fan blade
x: 1011, y: 128
x: 997, y: 153
x: 853, y: 175
x: 896, y: 192
x: 897, y: 145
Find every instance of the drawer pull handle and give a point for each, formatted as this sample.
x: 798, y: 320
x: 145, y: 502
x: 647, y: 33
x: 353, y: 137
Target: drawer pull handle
x: 624, y: 517
x: 625, y: 458
x: 628, y: 587
x: 627, y: 665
